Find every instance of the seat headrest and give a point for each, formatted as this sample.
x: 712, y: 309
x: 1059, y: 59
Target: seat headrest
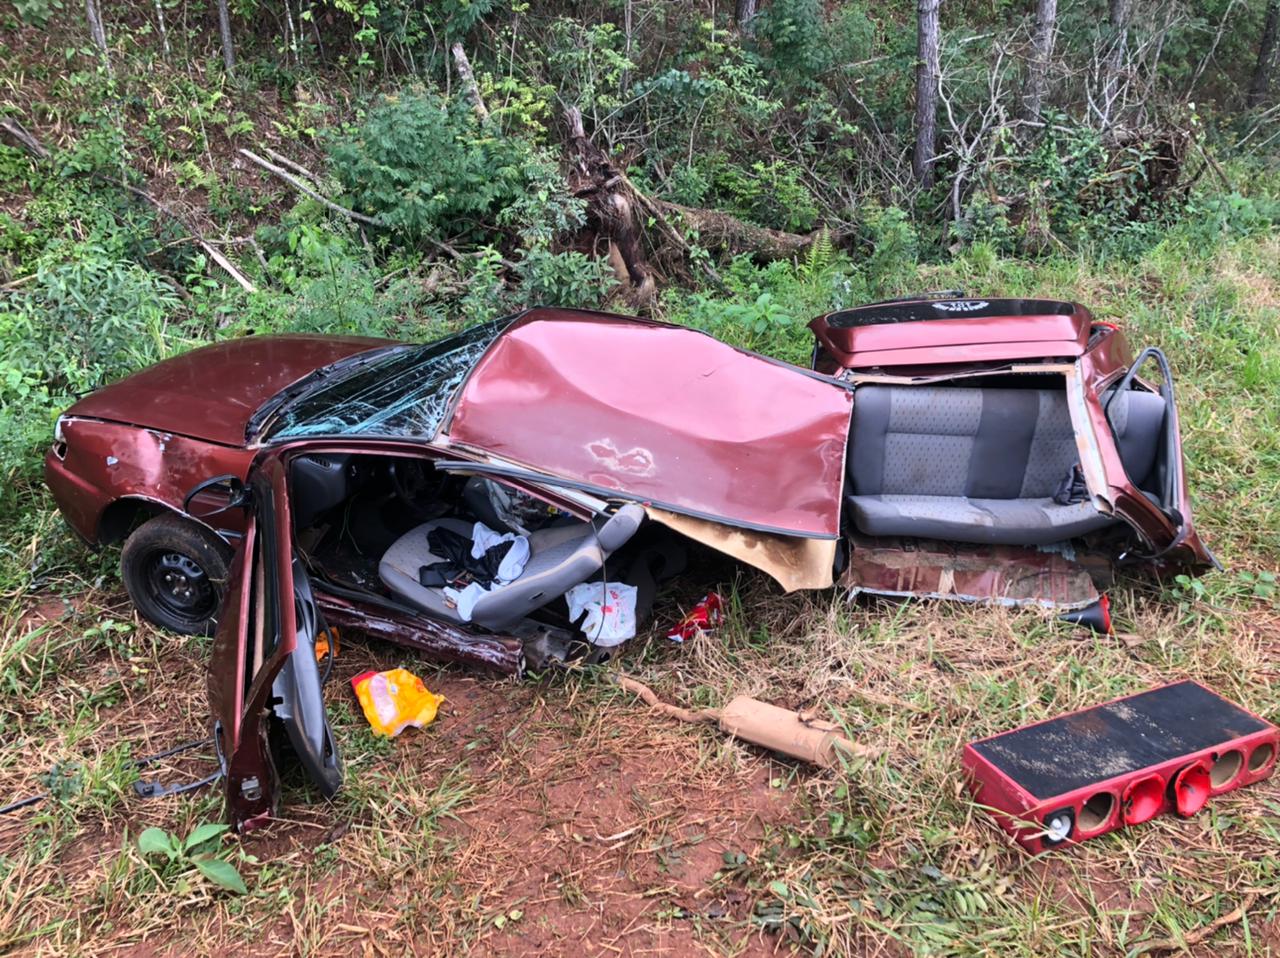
x: 622, y: 525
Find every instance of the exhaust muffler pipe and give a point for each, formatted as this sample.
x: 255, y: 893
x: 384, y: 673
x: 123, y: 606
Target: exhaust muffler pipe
x: 782, y: 730
x: 797, y: 735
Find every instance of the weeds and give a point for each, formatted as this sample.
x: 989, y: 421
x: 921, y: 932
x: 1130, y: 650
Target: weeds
x: 196, y: 851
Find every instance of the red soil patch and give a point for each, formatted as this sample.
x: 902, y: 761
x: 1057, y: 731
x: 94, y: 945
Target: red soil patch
x: 605, y: 836
x: 610, y: 838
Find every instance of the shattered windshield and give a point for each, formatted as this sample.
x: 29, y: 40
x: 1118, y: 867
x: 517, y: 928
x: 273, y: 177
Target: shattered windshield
x: 404, y: 394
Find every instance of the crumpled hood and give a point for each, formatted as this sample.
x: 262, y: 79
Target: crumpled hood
x: 210, y: 393
x: 664, y: 415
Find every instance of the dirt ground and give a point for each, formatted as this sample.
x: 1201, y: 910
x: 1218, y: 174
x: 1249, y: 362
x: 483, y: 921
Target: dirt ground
x: 560, y: 816
x: 590, y: 839
x: 528, y: 819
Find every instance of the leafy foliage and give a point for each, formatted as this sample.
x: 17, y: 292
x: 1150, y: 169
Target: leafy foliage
x: 197, y: 851
x: 420, y: 163
x: 770, y: 194
x: 86, y: 315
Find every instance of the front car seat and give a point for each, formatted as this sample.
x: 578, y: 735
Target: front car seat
x: 560, y: 557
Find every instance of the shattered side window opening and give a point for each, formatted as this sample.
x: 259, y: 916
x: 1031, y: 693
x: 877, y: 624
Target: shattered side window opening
x: 405, y: 395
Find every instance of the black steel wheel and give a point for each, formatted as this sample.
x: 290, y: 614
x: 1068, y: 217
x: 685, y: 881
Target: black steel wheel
x: 175, y: 572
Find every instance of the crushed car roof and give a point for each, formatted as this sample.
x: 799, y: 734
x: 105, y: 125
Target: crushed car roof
x: 404, y: 394
x: 661, y: 414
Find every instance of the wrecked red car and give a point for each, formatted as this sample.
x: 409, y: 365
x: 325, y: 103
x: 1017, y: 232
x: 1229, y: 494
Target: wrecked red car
x: 999, y: 450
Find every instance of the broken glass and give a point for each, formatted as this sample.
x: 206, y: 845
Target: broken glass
x: 404, y: 394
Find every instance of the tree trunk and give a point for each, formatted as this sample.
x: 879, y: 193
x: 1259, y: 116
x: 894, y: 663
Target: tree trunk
x: 1041, y: 54
x: 228, y: 48
x: 745, y: 13
x: 928, y: 76
x: 721, y: 231
x: 1120, y: 11
x: 97, y: 32
x: 164, y: 32
x: 1267, y: 50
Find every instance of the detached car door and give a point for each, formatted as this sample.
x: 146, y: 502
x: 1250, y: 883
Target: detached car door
x: 264, y: 680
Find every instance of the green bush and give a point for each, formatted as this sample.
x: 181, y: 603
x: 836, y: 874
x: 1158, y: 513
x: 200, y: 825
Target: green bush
x: 325, y: 283
x: 423, y: 166
x: 564, y: 279
x: 767, y: 308
x: 770, y: 194
x: 81, y: 323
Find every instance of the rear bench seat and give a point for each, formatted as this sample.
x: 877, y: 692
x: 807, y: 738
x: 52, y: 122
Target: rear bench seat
x: 980, y: 465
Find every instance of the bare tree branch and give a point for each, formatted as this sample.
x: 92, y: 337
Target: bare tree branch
x: 303, y: 188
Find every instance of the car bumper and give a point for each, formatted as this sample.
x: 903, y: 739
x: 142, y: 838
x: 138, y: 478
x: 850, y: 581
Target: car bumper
x: 80, y: 501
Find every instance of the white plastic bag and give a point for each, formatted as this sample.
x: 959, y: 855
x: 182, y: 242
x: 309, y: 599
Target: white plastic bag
x: 610, y: 609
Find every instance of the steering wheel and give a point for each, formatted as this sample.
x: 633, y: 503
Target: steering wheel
x: 417, y: 485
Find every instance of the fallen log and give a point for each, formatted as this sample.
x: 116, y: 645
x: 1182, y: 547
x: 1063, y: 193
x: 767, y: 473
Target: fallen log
x: 721, y: 231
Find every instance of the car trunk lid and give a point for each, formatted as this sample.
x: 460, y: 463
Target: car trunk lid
x: 940, y: 332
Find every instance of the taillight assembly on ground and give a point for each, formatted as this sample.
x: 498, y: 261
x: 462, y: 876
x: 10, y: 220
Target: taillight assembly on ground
x: 1081, y: 775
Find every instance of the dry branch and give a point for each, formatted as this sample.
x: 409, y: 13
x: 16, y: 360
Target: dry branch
x: 230, y: 268
x: 469, y: 87
x: 18, y: 133
x: 303, y: 188
x: 674, y: 711
x: 1200, y: 934
x: 291, y: 164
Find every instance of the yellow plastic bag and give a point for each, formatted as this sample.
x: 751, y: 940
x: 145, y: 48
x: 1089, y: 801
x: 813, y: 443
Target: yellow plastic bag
x: 392, y: 701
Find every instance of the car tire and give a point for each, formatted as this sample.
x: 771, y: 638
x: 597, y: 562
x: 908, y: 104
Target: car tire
x: 175, y: 571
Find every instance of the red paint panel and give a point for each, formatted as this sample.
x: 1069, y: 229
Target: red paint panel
x: 964, y: 353
x: 663, y: 414
x: 1101, y: 367
x: 953, y: 340
x: 105, y: 462
x: 211, y: 392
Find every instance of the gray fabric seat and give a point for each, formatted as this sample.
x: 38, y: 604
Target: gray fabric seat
x: 989, y: 521
x: 560, y: 557
x: 980, y: 464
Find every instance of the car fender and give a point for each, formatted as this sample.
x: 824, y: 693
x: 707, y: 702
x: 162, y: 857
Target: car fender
x: 99, y: 464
